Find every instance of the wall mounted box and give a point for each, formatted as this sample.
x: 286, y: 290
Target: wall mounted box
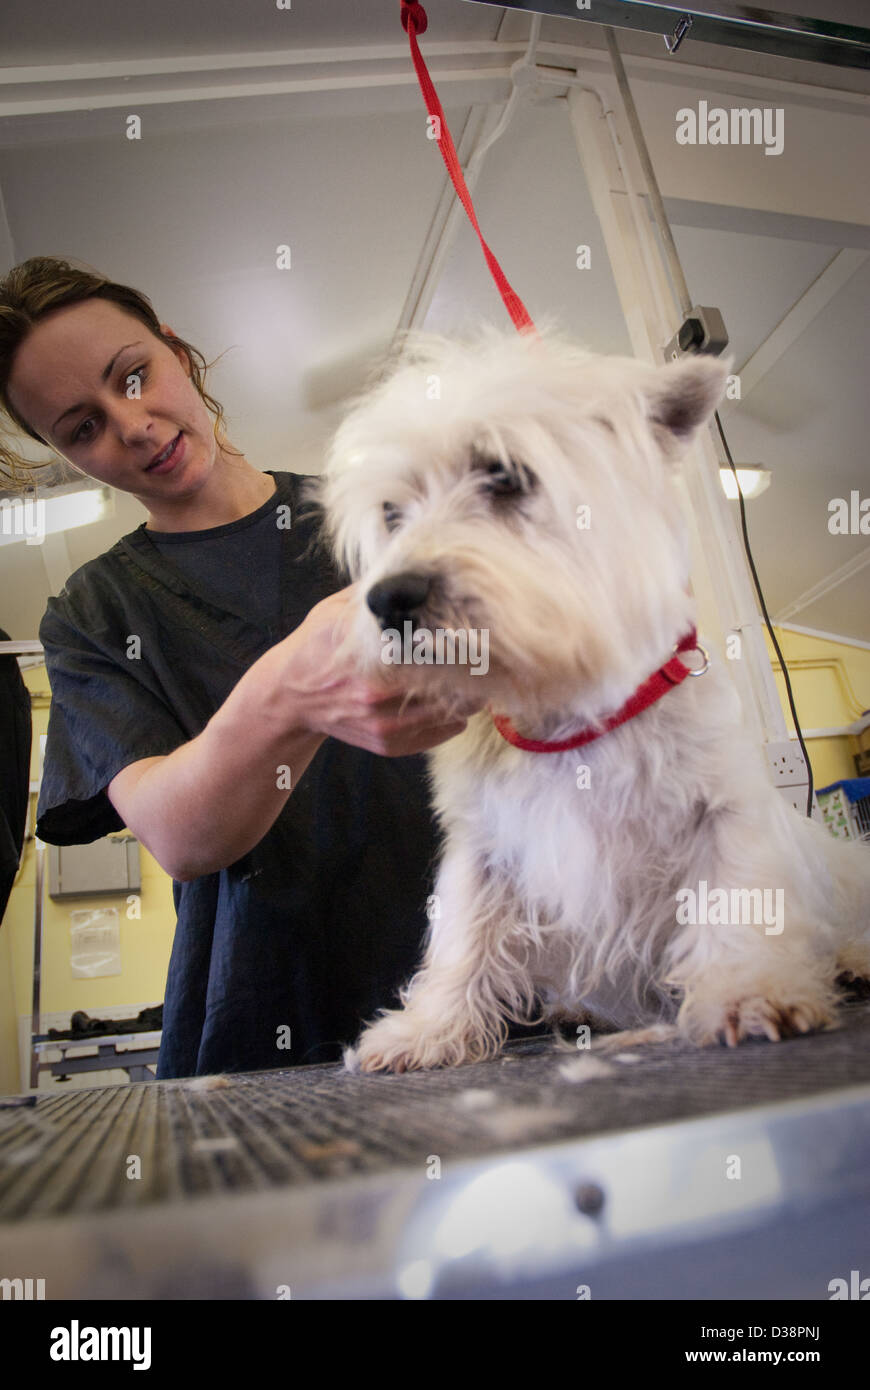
x: 107, y: 866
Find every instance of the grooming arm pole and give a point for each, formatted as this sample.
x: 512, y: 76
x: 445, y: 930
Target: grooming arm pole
x: 720, y: 574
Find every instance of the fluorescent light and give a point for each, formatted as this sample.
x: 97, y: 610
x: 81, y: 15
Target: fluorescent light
x: 31, y: 519
x: 752, y: 477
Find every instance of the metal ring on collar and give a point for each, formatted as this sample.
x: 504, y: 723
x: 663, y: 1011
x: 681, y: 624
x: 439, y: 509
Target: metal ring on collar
x: 706, y: 656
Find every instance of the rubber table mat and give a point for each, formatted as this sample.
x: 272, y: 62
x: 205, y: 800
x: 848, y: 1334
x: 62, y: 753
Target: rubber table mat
x: 67, y: 1153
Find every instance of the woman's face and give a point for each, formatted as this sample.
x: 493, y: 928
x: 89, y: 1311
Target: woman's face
x: 71, y: 381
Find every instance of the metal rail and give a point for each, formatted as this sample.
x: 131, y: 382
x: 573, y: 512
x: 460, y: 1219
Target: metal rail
x: 732, y: 25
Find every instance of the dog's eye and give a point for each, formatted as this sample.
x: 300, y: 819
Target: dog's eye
x: 500, y: 482
x: 392, y: 515
x: 502, y: 479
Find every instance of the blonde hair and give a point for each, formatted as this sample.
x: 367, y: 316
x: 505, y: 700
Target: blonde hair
x: 35, y: 288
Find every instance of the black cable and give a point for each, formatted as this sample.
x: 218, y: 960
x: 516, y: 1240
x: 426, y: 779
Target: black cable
x: 755, y: 578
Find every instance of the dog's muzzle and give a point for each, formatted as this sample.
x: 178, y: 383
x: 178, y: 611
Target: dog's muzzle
x: 398, y: 598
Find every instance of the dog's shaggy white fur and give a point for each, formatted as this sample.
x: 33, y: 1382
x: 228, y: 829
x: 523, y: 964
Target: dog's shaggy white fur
x: 464, y: 469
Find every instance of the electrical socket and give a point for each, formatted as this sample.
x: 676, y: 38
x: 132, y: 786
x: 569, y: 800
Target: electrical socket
x: 786, y: 764
x: 788, y: 773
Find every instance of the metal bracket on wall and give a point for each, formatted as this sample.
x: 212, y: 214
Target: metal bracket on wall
x: 729, y: 24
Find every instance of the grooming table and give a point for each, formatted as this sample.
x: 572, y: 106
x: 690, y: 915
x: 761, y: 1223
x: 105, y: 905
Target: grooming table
x: 684, y: 1173
x: 129, y: 1052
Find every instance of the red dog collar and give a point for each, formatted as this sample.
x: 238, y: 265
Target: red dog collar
x: 674, y: 672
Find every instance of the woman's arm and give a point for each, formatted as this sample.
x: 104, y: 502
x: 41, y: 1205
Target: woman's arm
x: 203, y: 806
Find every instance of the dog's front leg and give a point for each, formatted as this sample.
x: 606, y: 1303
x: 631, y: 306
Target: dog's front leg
x: 454, y: 1005
x: 746, y: 978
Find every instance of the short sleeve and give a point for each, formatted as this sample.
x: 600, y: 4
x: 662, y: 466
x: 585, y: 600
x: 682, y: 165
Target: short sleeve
x: 103, y: 716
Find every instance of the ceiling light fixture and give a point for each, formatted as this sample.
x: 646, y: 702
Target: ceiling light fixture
x: 31, y: 519
x: 752, y: 477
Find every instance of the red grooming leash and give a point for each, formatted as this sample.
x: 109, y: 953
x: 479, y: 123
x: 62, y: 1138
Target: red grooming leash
x: 414, y: 22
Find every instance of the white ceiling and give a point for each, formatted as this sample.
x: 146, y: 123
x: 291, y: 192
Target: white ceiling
x: 192, y: 213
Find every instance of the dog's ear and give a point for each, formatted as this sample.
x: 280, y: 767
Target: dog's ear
x: 684, y: 396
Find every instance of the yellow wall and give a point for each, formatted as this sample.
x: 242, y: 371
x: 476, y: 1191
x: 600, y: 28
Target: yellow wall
x: 831, y: 686
x: 145, y: 943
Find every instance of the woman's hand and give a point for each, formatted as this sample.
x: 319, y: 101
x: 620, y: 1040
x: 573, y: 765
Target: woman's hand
x: 316, y: 684
x: 205, y: 805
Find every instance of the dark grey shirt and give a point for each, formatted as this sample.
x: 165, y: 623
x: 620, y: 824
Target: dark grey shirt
x: 239, y: 564
x: 318, y: 926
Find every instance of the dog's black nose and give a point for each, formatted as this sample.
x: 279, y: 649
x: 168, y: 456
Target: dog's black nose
x: 398, y: 597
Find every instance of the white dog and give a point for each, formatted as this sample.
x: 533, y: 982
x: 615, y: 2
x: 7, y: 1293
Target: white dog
x: 520, y: 491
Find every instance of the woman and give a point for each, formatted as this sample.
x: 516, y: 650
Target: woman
x: 196, y: 698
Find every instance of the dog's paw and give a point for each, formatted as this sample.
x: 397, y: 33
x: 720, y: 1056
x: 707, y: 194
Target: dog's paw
x: 853, y: 969
x: 854, y: 985
x: 395, y: 1043
x: 754, y: 1016
x: 402, y: 1041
